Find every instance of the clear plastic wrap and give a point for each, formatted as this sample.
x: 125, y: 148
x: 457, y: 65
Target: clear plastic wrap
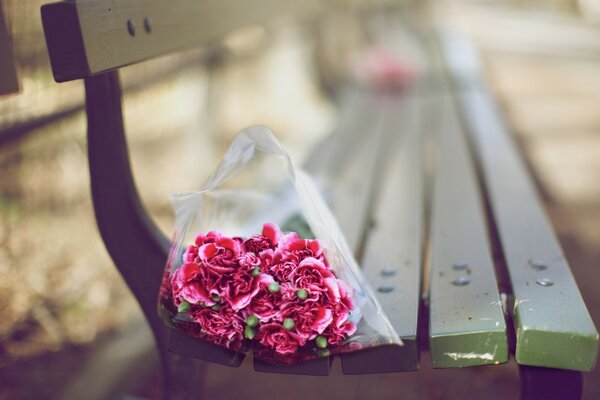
x: 247, y: 299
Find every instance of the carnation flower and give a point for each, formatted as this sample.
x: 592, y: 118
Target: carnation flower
x: 275, y: 289
x: 242, y: 287
x: 221, y: 327
x: 275, y: 336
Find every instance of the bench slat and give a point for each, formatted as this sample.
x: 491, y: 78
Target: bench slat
x: 467, y: 324
x: 349, y: 183
x: 392, y: 256
x: 86, y: 38
x: 553, y: 326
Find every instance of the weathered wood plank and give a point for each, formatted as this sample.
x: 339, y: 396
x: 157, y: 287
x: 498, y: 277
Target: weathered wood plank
x: 392, y: 258
x: 467, y: 324
x: 86, y: 38
x: 553, y: 326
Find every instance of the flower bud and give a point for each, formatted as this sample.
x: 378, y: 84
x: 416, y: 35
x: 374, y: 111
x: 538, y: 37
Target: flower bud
x: 249, y: 332
x: 252, y: 320
x: 216, y: 307
x: 184, y: 307
x: 323, y: 353
x: 273, y: 287
x: 215, y: 297
x: 288, y: 324
x: 321, y: 342
x: 255, y: 272
x: 302, y: 294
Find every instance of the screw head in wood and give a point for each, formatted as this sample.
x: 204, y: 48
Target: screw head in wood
x: 131, y: 27
x: 385, y: 289
x: 544, y: 282
x: 148, y: 25
x: 538, y: 265
x: 460, y: 265
x: 461, y: 281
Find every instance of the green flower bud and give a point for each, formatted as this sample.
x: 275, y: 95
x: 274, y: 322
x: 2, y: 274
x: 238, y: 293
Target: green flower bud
x: 215, y: 297
x: 302, y: 294
x: 252, y: 320
x: 255, y: 272
x: 321, y: 342
x: 323, y: 353
x: 184, y: 307
x: 273, y: 287
x: 216, y: 307
x: 288, y: 324
x: 249, y: 332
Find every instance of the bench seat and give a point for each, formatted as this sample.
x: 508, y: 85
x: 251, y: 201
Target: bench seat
x: 425, y: 182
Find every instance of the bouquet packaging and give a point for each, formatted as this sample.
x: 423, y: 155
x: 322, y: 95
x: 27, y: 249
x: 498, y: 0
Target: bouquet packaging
x: 258, y: 262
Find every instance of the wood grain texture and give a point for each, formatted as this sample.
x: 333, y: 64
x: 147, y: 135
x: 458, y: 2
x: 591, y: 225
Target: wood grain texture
x: 108, y: 34
x: 392, y: 257
x: 467, y: 325
x: 553, y: 326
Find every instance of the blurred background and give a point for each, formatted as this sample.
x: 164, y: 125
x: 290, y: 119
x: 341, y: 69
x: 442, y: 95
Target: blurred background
x: 63, y: 305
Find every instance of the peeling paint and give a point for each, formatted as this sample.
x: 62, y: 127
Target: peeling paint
x: 469, y: 356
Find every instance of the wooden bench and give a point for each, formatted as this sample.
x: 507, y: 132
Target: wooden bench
x: 426, y: 183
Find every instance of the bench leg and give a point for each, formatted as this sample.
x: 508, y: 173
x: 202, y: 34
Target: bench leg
x: 550, y: 383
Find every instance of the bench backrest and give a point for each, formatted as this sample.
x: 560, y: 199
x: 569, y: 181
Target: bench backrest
x: 86, y: 38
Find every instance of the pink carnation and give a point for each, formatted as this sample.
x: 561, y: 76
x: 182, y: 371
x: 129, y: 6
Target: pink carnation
x: 310, y: 274
x: 222, y: 327
x: 190, y: 283
x: 265, y: 305
x: 275, y: 336
x: 274, y: 277
x: 242, y: 287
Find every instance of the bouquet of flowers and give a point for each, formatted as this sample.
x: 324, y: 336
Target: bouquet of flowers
x: 287, y: 296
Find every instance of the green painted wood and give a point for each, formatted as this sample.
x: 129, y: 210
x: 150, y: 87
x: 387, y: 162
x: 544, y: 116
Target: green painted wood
x: 108, y: 34
x: 392, y: 257
x: 467, y: 324
x: 553, y: 326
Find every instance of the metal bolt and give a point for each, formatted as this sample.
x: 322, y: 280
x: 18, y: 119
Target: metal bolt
x: 131, y: 27
x: 461, y: 281
x: 544, y: 282
x: 538, y: 265
x: 385, y: 289
x: 388, y: 271
x: 460, y: 265
x: 148, y: 25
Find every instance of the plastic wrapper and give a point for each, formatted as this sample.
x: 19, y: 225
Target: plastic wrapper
x: 258, y: 262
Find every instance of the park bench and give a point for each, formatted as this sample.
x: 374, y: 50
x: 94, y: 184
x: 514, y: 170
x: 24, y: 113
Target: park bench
x: 427, y: 185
